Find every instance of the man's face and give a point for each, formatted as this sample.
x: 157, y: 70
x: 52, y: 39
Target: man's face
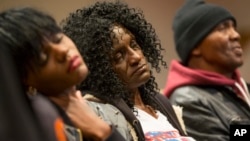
x: 128, y: 59
x: 221, y: 49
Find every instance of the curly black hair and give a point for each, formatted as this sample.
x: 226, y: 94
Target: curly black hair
x: 90, y: 28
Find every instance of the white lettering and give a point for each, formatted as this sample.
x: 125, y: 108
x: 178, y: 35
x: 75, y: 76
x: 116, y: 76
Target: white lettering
x: 240, y: 132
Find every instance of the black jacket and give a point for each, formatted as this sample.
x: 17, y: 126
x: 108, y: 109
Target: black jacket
x: 213, y: 107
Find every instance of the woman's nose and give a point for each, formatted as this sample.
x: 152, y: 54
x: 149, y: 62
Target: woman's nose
x: 61, y: 52
x: 134, y: 57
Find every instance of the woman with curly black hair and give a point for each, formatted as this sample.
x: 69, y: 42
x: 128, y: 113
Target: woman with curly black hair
x: 119, y: 47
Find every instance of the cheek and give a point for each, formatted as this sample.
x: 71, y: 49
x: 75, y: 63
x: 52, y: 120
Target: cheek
x: 121, y: 73
x: 211, y: 46
x: 52, y: 72
x: 216, y: 42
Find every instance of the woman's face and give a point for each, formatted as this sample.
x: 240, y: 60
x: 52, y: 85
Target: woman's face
x: 128, y: 60
x: 63, y: 69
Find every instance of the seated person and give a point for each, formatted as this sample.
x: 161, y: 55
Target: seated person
x: 206, y: 82
x: 119, y: 47
x: 50, y: 66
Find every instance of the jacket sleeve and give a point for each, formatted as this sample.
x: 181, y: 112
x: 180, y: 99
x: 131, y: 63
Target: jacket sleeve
x: 112, y: 116
x: 115, y: 135
x: 201, y: 121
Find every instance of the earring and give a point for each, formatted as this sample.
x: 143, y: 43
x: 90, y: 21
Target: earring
x: 43, y: 56
x: 32, y: 91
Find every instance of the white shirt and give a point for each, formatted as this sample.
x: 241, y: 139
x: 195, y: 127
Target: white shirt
x: 158, y: 129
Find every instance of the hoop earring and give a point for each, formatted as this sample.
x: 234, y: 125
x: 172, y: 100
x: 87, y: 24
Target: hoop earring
x: 32, y: 91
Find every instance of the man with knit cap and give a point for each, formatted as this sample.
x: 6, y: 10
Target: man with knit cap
x: 206, y: 82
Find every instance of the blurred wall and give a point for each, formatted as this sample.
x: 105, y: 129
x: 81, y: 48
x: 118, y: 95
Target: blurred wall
x: 159, y: 12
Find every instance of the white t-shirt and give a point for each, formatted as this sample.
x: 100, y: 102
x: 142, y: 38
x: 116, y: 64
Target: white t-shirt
x: 158, y: 129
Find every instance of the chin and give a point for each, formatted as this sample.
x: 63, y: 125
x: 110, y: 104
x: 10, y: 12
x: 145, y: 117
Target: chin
x: 83, y: 73
x: 146, y: 75
x: 82, y: 77
x: 144, y: 80
x: 239, y: 62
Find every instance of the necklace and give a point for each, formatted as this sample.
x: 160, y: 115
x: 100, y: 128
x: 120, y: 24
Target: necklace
x: 148, y: 109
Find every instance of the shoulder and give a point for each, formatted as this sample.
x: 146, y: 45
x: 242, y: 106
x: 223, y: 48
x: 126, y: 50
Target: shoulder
x: 38, y: 101
x: 100, y: 106
x: 111, y: 114
x: 48, y: 116
x: 189, y: 94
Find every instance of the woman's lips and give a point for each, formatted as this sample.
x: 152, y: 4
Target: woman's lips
x: 139, y: 69
x: 75, y: 62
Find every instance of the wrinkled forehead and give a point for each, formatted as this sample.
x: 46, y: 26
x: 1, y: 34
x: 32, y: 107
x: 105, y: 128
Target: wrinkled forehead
x: 118, y: 31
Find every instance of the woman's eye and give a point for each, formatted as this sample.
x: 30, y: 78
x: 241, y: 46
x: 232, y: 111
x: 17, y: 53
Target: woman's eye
x: 134, y: 44
x: 118, y: 57
x: 58, y: 39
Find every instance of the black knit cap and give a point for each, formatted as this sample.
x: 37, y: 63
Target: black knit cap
x: 193, y: 22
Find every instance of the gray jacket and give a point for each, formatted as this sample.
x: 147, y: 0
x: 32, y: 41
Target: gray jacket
x: 113, y: 116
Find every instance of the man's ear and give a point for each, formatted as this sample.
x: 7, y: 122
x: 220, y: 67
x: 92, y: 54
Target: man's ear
x: 196, y: 52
